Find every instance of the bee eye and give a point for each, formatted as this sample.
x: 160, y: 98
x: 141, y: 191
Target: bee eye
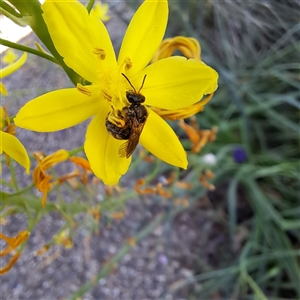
x: 141, y: 98
x: 130, y: 97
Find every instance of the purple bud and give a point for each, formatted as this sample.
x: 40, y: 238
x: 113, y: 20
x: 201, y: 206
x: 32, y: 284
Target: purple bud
x: 239, y: 155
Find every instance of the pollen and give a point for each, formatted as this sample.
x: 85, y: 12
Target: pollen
x: 115, y: 117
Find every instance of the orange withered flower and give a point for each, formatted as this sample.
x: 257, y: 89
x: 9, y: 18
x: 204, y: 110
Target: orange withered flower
x: 12, y: 244
x: 41, y: 179
x: 198, y: 137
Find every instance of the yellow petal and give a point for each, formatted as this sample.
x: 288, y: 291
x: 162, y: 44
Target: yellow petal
x: 102, y: 150
x: 13, y: 67
x: 3, y: 89
x: 144, y: 34
x: 3, y: 113
x: 159, y: 138
x: 75, y: 35
x: 14, y: 148
x: 176, y: 82
x: 57, y: 110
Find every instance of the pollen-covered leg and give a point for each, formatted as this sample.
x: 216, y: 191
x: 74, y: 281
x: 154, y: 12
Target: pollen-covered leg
x: 117, y: 125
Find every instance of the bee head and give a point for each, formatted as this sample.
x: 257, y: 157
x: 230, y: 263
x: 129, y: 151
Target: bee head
x: 135, y: 98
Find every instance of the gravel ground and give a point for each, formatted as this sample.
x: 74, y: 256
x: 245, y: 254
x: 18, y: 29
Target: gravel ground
x: 160, y: 261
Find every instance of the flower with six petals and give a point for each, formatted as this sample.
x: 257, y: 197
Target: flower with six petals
x: 84, y: 43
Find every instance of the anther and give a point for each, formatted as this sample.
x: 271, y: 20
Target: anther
x: 107, y: 96
x: 100, y: 52
x: 84, y: 90
x: 128, y: 63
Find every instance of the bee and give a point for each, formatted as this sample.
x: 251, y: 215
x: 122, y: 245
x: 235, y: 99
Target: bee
x: 129, y: 122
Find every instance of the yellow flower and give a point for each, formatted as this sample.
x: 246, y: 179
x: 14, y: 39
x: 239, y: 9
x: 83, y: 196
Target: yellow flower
x: 9, y: 144
x: 9, y: 70
x: 9, y: 57
x: 100, y: 11
x: 84, y: 43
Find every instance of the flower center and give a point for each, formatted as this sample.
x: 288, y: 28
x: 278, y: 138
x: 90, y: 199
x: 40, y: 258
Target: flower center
x: 110, y: 86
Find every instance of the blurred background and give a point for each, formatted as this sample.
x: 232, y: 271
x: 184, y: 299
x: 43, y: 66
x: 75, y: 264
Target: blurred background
x: 238, y: 241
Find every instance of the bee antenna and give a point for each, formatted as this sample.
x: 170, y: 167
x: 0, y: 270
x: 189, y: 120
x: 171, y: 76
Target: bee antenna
x: 142, y: 83
x: 129, y: 81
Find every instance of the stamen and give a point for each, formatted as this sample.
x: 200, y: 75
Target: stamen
x: 125, y: 65
x: 100, y: 52
x: 106, y: 95
x: 84, y: 89
x: 128, y: 63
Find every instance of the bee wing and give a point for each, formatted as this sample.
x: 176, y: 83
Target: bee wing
x: 129, y: 146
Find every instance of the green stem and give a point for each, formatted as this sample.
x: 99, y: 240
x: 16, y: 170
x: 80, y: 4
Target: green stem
x: 23, y: 21
x: 27, y: 49
x: 253, y: 285
x: 27, y: 188
x: 154, y: 172
x: 75, y: 151
x: 9, y: 9
x: 13, y: 176
x: 90, y: 5
x: 245, y: 275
